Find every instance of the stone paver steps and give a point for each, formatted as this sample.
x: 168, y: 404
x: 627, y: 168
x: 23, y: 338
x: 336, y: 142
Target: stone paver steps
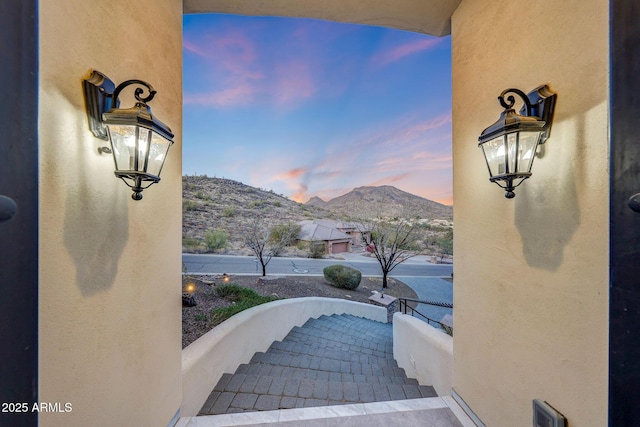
x: 332, y: 360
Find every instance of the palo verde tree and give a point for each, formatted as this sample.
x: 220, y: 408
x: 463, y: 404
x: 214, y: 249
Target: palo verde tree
x: 392, y: 242
x: 268, y: 241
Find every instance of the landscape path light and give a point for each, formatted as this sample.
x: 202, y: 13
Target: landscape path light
x: 509, y: 145
x: 139, y: 141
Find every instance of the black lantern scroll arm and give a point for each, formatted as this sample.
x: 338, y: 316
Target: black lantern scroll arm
x: 510, y: 100
x: 138, y: 92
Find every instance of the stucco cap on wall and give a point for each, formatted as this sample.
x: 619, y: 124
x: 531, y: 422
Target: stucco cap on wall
x: 422, y: 16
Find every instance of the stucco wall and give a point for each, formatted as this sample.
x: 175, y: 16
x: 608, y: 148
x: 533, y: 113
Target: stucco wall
x: 531, y: 274
x: 110, y: 305
x: 424, y: 352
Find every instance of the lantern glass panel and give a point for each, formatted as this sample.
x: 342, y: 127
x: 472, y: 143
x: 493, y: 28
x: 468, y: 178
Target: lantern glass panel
x: 130, y: 146
x: 123, y: 143
x: 157, y: 153
x: 527, y: 150
x: 512, y: 150
x: 494, y: 151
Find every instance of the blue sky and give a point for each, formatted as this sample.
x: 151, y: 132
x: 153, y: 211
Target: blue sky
x: 314, y: 108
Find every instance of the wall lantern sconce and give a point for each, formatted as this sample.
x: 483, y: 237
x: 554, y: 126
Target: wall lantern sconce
x: 509, y: 145
x: 139, y: 142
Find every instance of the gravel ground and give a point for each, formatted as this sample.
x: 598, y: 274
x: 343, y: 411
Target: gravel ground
x: 195, y: 319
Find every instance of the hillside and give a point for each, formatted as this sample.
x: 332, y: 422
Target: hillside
x: 229, y: 206
x: 384, y: 201
x: 222, y: 209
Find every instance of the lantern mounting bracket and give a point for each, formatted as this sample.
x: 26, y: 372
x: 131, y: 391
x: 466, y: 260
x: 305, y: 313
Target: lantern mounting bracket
x: 98, y: 95
x: 101, y: 95
x: 539, y: 103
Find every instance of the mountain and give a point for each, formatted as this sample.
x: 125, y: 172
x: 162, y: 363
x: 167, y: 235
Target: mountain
x: 384, y: 201
x: 216, y: 209
x: 316, y: 201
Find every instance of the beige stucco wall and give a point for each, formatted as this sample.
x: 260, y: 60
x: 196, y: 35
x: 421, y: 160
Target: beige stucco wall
x: 424, y: 352
x: 110, y: 304
x: 531, y: 274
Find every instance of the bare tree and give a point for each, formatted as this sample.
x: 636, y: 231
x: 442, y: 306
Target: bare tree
x: 268, y: 241
x: 392, y: 242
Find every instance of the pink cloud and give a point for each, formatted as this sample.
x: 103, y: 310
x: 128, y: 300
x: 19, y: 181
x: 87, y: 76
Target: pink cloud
x: 300, y: 195
x: 194, y: 48
x: 436, y: 192
x: 223, y: 44
x: 428, y: 125
x: 239, y: 95
x: 405, y: 134
x: 389, y: 180
x: 433, y: 160
x: 290, y: 174
x: 229, y: 59
x: 398, y: 52
x: 294, y: 82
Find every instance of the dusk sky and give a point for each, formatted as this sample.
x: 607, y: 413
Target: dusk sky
x: 313, y: 108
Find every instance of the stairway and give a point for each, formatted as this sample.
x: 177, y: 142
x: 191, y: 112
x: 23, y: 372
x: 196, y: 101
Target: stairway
x: 332, y: 360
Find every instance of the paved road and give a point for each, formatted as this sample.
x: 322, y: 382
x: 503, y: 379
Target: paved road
x: 232, y: 264
x: 431, y: 289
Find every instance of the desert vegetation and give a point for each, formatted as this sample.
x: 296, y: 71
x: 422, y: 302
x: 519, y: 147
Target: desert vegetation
x: 218, y: 215
x: 342, y: 276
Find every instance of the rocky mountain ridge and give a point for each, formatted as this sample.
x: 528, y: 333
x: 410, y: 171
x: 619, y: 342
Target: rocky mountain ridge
x: 219, y: 211
x: 383, y: 201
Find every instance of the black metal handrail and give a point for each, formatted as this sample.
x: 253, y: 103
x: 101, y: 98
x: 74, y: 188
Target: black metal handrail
x: 436, y: 303
x: 404, y: 306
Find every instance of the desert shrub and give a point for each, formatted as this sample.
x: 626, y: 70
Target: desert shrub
x: 202, y: 196
x: 286, y: 234
x: 229, y: 212
x: 190, y: 242
x: 215, y: 239
x: 189, y: 205
x: 243, y: 298
x: 445, y: 243
x: 316, y: 250
x: 341, y: 276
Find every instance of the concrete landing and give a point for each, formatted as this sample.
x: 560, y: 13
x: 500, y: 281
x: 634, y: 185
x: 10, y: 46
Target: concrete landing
x: 429, y: 412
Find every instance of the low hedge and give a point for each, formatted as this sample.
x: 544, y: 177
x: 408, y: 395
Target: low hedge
x: 343, y: 277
